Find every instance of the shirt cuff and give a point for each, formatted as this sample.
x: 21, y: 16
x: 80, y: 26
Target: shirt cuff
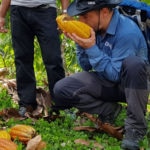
x: 93, y: 51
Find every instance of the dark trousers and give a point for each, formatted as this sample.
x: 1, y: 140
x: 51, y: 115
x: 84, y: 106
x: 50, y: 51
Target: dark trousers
x: 26, y: 23
x: 91, y: 93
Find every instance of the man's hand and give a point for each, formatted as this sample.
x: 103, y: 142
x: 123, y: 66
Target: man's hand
x: 84, y: 43
x: 2, y: 25
x: 3, y: 10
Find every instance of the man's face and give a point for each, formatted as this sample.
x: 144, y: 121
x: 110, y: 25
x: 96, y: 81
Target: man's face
x: 97, y: 19
x: 91, y: 18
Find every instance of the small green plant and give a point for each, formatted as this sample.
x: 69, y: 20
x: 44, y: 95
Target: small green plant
x: 5, y: 99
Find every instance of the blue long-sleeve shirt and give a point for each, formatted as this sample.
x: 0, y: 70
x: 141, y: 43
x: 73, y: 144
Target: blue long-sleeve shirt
x: 123, y: 38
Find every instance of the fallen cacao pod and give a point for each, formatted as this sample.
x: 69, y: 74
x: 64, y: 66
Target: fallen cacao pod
x: 7, y: 145
x: 22, y: 132
x: 4, y: 135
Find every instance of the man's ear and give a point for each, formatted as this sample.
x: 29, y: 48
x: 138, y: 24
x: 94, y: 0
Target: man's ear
x: 105, y: 12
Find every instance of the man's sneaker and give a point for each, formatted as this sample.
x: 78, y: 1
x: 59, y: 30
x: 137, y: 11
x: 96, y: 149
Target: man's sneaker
x: 22, y: 111
x: 131, y: 140
x: 110, y: 118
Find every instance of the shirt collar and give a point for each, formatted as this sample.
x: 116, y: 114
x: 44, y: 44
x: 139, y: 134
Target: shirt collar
x: 113, y: 23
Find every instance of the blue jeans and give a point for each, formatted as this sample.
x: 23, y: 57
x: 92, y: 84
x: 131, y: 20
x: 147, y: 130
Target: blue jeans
x: 26, y: 23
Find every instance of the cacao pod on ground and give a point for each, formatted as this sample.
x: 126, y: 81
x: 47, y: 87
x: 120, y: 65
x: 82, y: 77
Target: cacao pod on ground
x: 7, y: 145
x: 22, y: 132
x: 4, y: 135
x: 67, y: 24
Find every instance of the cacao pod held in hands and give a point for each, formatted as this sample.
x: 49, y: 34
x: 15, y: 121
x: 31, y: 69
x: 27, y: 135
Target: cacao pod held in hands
x: 67, y: 24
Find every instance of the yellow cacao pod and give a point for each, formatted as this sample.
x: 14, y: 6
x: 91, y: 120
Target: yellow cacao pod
x: 7, y: 145
x: 67, y: 24
x: 22, y: 132
x: 4, y: 135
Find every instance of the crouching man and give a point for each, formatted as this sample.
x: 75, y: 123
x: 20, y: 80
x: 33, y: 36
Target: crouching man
x: 114, y: 61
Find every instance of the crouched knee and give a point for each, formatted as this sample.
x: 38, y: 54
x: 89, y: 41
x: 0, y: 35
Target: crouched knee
x: 134, y: 64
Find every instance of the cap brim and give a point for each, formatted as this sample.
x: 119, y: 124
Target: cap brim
x: 72, y: 10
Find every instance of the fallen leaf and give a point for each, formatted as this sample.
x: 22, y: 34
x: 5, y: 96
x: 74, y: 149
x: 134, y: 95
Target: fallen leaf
x: 3, y: 72
x: 36, y: 143
x: 41, y: 145
x: 88, y: 142
x: 110, y: 129
x: 85, y: 128
x: 10, y: 113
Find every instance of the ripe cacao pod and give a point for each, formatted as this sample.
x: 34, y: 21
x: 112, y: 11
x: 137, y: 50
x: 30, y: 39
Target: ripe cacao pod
x: 22, y: 132
x: 67, y: 24
x: 7, y: 145
x: 4, y: 135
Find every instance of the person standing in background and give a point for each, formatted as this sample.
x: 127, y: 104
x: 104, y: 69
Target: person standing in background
x: 29, y: 19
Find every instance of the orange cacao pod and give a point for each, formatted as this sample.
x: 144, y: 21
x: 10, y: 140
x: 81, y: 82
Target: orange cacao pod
x: 67, y: 24
x: 22, y: 132
x: 7, y: 145
x: 4, y: 135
